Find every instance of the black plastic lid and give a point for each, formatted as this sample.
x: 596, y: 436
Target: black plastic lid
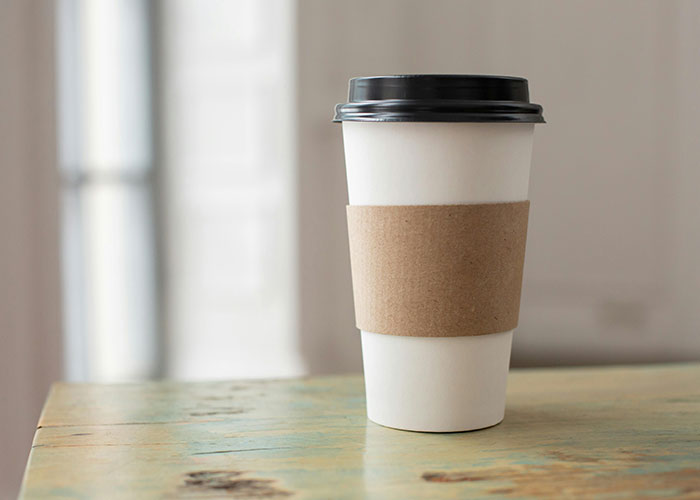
x: 439, y: 98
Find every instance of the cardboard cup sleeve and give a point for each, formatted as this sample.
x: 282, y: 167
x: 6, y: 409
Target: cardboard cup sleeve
x: 437, y: 270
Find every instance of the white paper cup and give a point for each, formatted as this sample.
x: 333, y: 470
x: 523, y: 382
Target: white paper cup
x: 436, y: 384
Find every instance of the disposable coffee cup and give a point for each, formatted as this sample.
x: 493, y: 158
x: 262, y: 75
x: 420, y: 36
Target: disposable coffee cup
x: 427, y: 151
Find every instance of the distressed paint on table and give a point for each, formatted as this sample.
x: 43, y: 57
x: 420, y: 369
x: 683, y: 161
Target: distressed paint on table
x: 607, y: 432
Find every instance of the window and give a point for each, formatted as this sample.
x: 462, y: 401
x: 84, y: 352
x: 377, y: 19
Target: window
x: 178, y: 165
x: 106, y: 165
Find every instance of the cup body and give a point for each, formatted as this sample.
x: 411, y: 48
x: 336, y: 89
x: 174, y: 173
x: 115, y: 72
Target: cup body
x: 436, y: 384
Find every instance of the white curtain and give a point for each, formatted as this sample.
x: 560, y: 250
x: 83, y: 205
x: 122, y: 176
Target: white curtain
x: 227, y: 91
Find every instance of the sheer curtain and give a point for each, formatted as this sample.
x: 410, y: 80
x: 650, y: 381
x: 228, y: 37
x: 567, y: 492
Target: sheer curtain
x: 226, y: 97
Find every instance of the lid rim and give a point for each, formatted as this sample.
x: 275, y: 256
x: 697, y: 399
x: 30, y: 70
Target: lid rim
x: 444, y: 118
x: 436, y: 111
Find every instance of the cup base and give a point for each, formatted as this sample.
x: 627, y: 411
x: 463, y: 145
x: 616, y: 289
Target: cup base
x: 436, y: 431
x: 427, y: 384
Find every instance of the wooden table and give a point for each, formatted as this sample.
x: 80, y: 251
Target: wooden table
x: 607, y: 432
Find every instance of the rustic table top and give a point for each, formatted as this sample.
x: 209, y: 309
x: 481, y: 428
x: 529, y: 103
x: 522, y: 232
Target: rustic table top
x: 583, y: 432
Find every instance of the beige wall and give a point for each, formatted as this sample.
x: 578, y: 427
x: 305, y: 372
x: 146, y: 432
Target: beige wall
x: 30, y: 323
x: 611, y: 271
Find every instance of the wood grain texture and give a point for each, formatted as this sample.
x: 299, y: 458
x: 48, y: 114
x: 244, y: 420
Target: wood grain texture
x: 568, y: 433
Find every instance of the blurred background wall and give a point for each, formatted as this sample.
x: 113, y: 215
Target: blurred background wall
x: 611, y: 273
x: 169, y: 175
x: 30, y: 299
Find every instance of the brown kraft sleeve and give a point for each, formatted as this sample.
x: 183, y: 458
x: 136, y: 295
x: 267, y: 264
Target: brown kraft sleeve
x: 437, y: 270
